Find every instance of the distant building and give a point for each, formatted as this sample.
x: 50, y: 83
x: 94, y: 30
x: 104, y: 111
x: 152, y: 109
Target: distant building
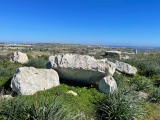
x: 135, y: 51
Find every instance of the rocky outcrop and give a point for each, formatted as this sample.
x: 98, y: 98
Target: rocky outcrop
x: 19, y: 57
x: 124, y: 67
x: 80, y: 68
x: 29, y: 80
x: 107, y: 85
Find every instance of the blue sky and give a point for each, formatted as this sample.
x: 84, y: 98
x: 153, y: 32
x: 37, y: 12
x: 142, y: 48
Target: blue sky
x: 102, y: 22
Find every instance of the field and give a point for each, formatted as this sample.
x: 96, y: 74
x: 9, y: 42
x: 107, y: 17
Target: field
x: 89, y: 104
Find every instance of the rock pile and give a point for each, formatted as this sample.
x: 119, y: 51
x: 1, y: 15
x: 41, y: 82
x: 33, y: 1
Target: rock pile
x: 81, y: 69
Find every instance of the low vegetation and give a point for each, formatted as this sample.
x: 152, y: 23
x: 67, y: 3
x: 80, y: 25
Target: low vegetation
x: 55, y: 103
x: 7, y: 69
x: 37, y: 63
x: 149, y: 65
x: 123, y: 104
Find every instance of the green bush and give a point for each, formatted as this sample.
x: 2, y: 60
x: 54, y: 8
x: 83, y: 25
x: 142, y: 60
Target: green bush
x: 149, y: 65
x: 37, y: 63
x: 123, y: 104
x: 149, y: 68
x: 156, y: 83
x: 141, y: 83
x: 155, y: 95
x: 7, y: 69
x: 121, y: 80
x: 4, y: 71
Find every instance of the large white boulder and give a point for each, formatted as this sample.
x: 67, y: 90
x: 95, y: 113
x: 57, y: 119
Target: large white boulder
x: 80, y: 68
x: 29, y: 80
x: 107, y: 85
x: 20, y: 57
x: 124, y: 67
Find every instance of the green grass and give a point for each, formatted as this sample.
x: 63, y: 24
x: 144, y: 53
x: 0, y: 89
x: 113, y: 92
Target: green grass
x: 84, y: 102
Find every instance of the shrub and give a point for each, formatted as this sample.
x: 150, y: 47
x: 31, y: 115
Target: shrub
x: 121, y: 105
x: 4, y: 71
x: 155, y: 96
x: 37, y: 63
x: 156, y: 83
x: 141, y: 83
x: 121, y: 80
x: 7, y: 69
x: 148, y: 65
x: 149, y: 68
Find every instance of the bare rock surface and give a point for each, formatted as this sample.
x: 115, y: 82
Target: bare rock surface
x: 142, y: 95
x: 80, y: 68
x: 124, y: 67
x: 6, y: 97
x: 29, y: 80
x: 20, y: 57
x: 107, y: 85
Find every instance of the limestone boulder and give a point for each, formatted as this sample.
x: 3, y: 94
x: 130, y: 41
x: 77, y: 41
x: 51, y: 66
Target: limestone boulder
x: 113, y: 54
x: 124, y: 67
x: 107, y: 85
x: 109, y: 64
x: 19, y: 57
x: 28, y: 80
x: 80, y: 68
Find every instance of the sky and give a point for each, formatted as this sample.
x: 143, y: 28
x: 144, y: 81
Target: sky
x: 100, y: 22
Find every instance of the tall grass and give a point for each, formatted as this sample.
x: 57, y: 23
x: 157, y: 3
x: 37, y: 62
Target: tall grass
x: 155, y: 96
x: 123, y: 104
x: 149, y: 65
x: 7, y: 69
x: 141, y: 83
x: 41, y: 109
